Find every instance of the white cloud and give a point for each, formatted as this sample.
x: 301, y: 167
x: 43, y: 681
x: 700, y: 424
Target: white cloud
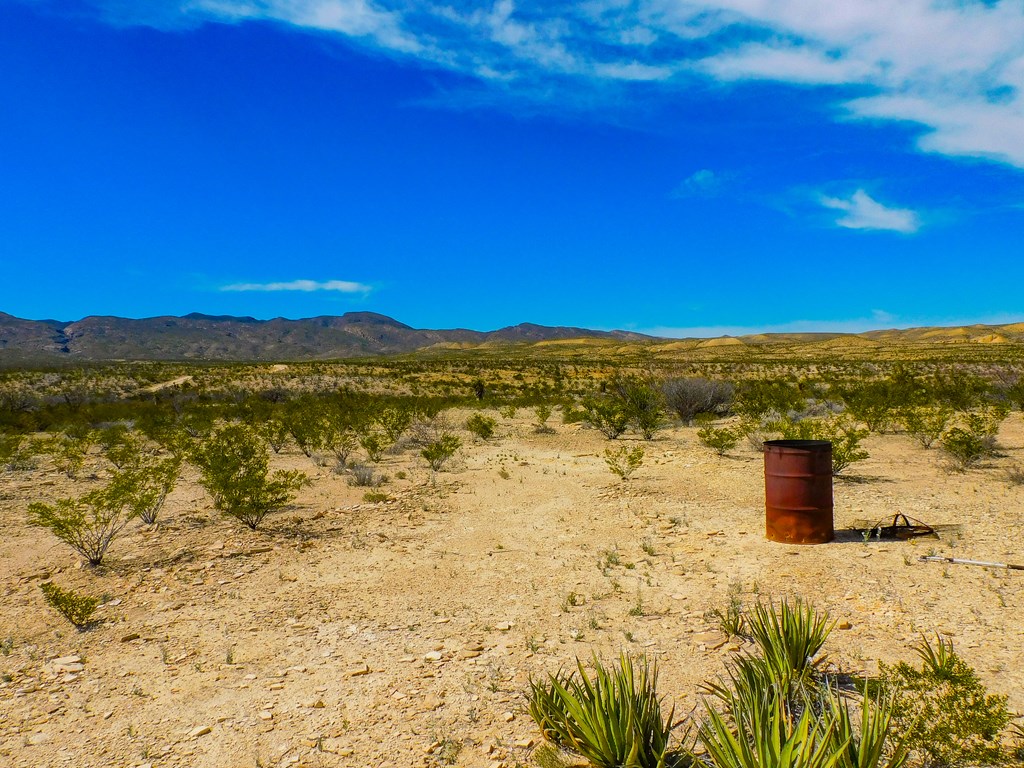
x: 702, y: 183
x: 955, y: 67
x: 861, y: 211
x: 306, y: 286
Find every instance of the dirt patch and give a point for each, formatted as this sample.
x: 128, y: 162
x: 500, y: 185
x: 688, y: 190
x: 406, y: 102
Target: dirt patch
x: 404, y: 632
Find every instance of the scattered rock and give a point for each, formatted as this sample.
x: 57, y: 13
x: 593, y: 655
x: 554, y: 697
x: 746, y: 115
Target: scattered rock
x: 199, y: 730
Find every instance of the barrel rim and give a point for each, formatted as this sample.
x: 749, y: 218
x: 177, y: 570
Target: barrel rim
x: 806, y: 444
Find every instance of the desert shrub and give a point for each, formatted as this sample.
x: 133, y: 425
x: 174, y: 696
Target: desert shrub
x: 307, y: 425
x: 965, y: 448
x: 643, y: 405
x: 844, y: 435
x: 973, y: 437
x: 364, y: 476
x: 438, y: 452
x: 926, y: 424
x: 958, y: 390
x: 78, y: 609
x: 624, y: 461
x: 89, y: 524
x: 690, y: 397
x: 612, y: 720
x: 606, y: 415
x: 394, y: 420
x: 758, y: 397
x: 481, y: 426
x: 721, y: 439
x: 68, y: 451
x: 374, y: 443
x: 375, y: 497
x: 757, y: 429
x: 949, y: 717
x: 275, y: 432
x: 17, y: 453
x: 142, y: 486
x: 508, y: 411
x: 542, y: 413
x: 235, y: 470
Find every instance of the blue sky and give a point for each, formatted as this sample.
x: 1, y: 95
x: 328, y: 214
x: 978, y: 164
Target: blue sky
x: 679, y: 168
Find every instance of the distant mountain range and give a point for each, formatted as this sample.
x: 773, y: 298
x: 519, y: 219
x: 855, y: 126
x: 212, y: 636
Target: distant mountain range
x: 207, y: 337
x: 361, y: 334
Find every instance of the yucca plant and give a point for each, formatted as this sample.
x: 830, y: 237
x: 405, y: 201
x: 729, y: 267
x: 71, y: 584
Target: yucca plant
x: 613, y: 720
x: 870, y: 744
x: 763, y: 734
x: 789, y: 636
x: 939, y: 660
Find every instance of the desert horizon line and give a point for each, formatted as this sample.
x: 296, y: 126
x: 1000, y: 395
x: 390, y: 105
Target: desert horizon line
x: 852, y: 327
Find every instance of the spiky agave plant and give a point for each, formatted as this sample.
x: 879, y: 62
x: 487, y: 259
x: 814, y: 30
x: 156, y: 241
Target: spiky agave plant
x: 789, y: 636
x: 764, y: 734
x: 613, y: 720
x: 870, y: 745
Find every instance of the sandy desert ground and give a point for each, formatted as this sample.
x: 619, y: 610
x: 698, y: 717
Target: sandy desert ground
x: 404, y: 633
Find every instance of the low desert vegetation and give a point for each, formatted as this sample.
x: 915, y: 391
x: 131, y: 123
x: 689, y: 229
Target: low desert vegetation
x: 778, y: 706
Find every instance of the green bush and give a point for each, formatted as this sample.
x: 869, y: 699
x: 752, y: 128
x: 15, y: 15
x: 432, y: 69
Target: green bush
x: 612, y: 720
x: 438, y: 452
x: 643, y: 405
x: 949, y: 717
x: 844, y: 435
x: 481, y: 426
x: 235, y: 470
x: 143, y: 487
x: 720, y: 439
x: 88, y: 525
x: 542, y: 413
x: 606, y: 415
x: 77, y: 609
x: 965, y: 448
x: 926, y: 424
x: 68, y: 451
x: 624, y: 461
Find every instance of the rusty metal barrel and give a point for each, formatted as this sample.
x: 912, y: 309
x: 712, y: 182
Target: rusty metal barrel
x: 798, y: 491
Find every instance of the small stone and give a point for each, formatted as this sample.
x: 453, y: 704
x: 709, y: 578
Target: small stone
x: 508, y: 717
x: 199, y: 730
x: 358, y: 669
x: 432, y: 656
x: 432, y: 702
x: 503, y: 626
x: 844, y: 625
x: 525, y: 743
x: 265, y: 715
x: 130, y: 636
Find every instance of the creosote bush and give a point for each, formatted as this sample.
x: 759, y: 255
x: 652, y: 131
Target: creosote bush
x: 89, y: 524
x: 624, y: 461
x: 948, y: 716
x: 77, y: 609
x: 235, y: 470
x: 841, y: 431
x: 439, y: 451
x: 481, y: 426
x: 720, y: 439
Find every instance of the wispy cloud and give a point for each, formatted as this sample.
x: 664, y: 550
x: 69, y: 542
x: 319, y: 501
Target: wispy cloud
x: 702, y: 183
x: 954, y: 68
x: 306, y: 286
x: 861, y: 211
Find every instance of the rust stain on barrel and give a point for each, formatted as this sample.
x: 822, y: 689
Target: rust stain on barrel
x: 798, y: 491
